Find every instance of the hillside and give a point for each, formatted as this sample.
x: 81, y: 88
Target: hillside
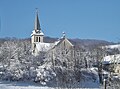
x: 85, y: 42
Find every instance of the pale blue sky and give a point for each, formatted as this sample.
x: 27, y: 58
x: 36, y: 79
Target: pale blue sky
x: 84, y: 19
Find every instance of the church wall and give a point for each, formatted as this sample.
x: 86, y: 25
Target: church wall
x: 64, y: 48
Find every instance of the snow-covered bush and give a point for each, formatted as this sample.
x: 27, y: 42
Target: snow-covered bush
x: 17, y: 63
x: 45, y: 73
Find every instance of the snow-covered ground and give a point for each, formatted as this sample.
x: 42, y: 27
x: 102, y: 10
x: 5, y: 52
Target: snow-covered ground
x: 20, y: 85
x: 29, y: 85
x: 23, y: 85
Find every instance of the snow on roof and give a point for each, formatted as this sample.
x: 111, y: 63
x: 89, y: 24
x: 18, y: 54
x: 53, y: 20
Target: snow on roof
x: 47, y: 46
x: 40, y: 33
x: 113, y: 46
x: 60, y: 40
x: 44, y: 46
x: 56, y: 42
x: 111, y: 59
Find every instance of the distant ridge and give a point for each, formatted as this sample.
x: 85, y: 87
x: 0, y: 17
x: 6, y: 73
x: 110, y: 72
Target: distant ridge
x: 88, y: 42
x: 85, y: 42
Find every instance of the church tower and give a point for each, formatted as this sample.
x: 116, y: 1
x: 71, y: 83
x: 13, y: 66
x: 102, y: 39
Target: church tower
x: 37, y: 34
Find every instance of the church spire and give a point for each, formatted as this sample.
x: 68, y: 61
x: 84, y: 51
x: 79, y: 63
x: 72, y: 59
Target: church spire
x: 37, y: 23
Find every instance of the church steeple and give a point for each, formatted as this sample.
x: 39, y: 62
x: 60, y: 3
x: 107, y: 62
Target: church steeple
x: 37, y: 35
x: 37, y: 23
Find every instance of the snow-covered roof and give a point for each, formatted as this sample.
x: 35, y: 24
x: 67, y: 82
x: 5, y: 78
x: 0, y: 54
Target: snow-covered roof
x: 60, y: 40
x: 47, y: 46
x: 44, y: 46
x: 39, y: 33
x: 56, y: 42
x: 111, y: 59
x: 113, y: 46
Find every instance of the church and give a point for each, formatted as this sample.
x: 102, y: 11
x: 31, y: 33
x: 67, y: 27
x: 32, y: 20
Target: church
x: 38, y: 44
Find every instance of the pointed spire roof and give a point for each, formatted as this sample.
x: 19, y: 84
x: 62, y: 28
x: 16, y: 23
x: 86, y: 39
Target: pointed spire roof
x: 37, y: 30
x: 37, y: 23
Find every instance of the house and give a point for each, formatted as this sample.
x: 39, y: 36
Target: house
x: 112, y: 62
x: 38, y: 44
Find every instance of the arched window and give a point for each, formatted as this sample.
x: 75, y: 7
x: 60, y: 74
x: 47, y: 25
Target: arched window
x: 36, y: 39
x: 39, y: 39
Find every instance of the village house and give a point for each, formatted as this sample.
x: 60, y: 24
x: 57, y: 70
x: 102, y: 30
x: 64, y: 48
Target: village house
x: 112, y: 62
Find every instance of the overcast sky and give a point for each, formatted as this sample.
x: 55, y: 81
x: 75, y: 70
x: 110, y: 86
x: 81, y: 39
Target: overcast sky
x: 84, y: 19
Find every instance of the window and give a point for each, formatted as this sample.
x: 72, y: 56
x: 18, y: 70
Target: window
x: 39, y: 39
x: 36, y: 39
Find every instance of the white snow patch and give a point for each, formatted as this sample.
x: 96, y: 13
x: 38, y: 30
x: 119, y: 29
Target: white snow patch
x: 21, y: 85
x: 39, y: 33
x: 44, y: 46
x: 56, y: 42
x: 112, y: 59
x: 28, y: 85
x: 113, y: 46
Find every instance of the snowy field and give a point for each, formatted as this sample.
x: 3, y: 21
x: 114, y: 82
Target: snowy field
x: 20, y: 85
x: 23, y: 85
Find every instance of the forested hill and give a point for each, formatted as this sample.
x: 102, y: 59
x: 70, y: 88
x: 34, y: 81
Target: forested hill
x: 85, y: 42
